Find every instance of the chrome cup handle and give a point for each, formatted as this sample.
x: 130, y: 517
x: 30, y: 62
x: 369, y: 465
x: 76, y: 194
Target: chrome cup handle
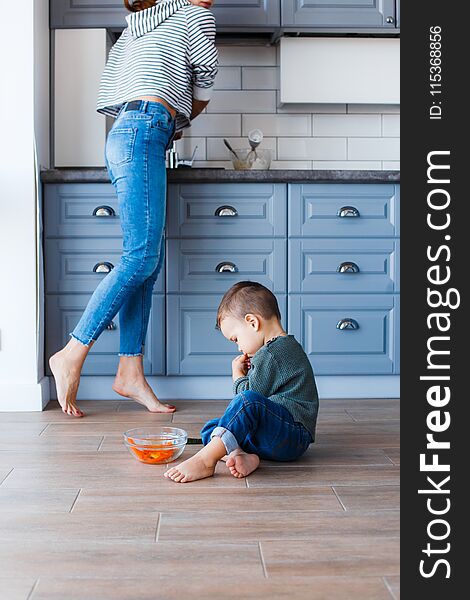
x: 348, y: 267
x: 104, y: 211
x: 226, y: 211
x: 350, y: 324
x: 226, y: 267
x: 348, y: 212
x: 103, y: 267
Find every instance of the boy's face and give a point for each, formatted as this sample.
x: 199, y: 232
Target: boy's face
x: 243, y: 332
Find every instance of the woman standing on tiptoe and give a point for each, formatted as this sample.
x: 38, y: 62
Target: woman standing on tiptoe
x: 158, y: 77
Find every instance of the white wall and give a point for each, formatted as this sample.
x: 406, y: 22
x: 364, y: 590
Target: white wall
x: 25, y: 80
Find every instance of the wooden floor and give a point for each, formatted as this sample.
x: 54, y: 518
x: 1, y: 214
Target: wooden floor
x: 82, y: 519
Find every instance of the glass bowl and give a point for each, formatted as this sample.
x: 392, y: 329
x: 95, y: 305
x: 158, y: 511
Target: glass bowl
x: 156, y: 445
x: 251, y: 160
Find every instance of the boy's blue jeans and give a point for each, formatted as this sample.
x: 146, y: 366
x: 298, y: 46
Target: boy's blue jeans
x: 259, y: 426
x: 135, y: 158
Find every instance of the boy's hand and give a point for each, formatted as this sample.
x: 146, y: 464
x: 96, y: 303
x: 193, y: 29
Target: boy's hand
x: 240, y: 366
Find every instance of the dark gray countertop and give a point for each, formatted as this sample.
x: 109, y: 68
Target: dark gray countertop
x: 100, y: 175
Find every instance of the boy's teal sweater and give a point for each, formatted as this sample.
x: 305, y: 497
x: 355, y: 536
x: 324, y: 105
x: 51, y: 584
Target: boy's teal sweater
x: 281, y: 371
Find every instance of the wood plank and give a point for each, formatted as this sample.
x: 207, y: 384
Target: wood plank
x: 332, y: 555
x: 393, y: 584
x: 53, y: 413
x: 393, y: 454
x: 185, y: 498
x: 318, y: 454
x: 130, y: 475
x: 370, y: 497
x: 177, y: 561
x: 252, y: 526
x: 358, y: 439
x: 361, y: 428
x: 286, y: 476
x: 16, y: 588
x: 24, y: 528
x: 219, y: 587
x: 84, y: 427
x: 57, y: 444
x: 42, y: 501
x: 375, y: 414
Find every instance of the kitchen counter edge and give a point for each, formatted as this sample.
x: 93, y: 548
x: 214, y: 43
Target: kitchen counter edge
x: 100, y: 175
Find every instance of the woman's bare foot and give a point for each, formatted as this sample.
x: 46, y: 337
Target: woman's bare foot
x: 241, y: 464
x: 140, y: 391
x: 66, y: 368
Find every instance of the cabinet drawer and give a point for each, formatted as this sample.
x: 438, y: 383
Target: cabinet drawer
x: 371, y: 349
x: 78, y: 265
x: 370, y: 210
x: 343, y: 266
x: 221, y: 210
x: 63, y: 313
x: 81, y: 209
x: 195, y: 347
x: 200, y: 265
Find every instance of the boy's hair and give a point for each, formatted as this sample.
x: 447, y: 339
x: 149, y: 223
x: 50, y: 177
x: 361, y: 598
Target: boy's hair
x: 248, y: 297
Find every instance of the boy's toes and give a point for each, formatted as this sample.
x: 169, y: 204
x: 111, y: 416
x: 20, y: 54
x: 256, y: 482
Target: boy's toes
x: 230, y: 462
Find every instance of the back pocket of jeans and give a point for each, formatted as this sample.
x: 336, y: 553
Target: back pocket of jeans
x: 120, y: 145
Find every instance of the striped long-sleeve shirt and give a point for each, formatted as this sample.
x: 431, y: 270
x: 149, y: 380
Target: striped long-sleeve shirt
x: 167, y: 51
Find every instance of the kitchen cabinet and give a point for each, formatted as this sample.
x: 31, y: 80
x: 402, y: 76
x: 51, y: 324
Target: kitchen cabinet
x: 329, y: 251
x: 339, y: 14
x: 343, y: 276
x: 230, y: 14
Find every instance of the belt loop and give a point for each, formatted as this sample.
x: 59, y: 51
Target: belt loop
x: 144, y: 105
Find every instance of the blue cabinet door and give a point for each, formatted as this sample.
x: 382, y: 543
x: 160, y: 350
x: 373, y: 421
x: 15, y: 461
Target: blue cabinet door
x: 77, y: 265
x: 63, y: 313
x: 227, y: 209
x: 195, y: 346
x: 81, y: 210
x: 347, y: 335
x: 229, y: 14
x: 213, y: 264
x: 335, y: 14
x: 66, y: 14
x: 343, y: 210
x: 343, y: 266
x: 247, y: 14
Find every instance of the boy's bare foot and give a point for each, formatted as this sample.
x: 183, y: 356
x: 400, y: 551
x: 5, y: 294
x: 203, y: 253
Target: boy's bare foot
x: 67, y: 378
x: 241, y: 464
x: 191, y: 470
x: 140, y: 391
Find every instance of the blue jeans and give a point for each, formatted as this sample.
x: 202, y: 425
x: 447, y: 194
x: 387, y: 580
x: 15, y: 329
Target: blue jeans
x: 135, y: 158
x: 259, y: 426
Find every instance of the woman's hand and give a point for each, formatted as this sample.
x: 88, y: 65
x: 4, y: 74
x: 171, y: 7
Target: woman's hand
x: 240, y: 366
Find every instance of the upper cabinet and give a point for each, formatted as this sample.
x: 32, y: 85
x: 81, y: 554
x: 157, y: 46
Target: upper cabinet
x: 67, y: 14
x: 248, y: 15
x: 339, y: 14
x: 232, y: 15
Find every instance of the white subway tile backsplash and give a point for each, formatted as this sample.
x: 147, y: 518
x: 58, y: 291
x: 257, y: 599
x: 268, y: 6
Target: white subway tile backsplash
x: 262, y: 56
x: 216, y: 149
x: 312, y: 148
x: 391, y: 165
x: 185, y: 147
x: 242, y: 101
x: 228, y: 78
x: 374, y: 108
x: 373, y: 148
x: 278, y: 125
x: 375, y: 165
x: 260, y: 78
x: 291, y: 164
x: 391, y: 125
x: 215, y: 125
x: 347, y: 125
x: 301, y: 136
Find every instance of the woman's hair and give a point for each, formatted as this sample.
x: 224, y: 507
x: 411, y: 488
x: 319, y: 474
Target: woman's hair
x: 248, y: 297
x: 137, y: 5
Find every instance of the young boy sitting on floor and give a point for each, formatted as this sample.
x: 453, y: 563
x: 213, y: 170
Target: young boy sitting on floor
x: 274, y: 411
